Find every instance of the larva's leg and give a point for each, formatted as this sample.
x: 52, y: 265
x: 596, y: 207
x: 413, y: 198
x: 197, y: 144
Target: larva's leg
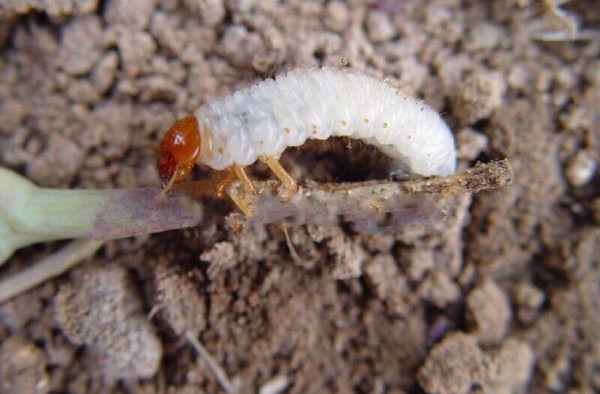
x: 280, y: 173
x: 241, y: 201
x: 221, y: 181
x: 240, y: 172
x: 169, y: 184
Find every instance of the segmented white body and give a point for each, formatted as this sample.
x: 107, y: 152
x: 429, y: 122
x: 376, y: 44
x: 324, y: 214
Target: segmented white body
x: 265, y: 119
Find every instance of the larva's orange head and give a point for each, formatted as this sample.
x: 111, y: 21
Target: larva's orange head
x: 178, y: 151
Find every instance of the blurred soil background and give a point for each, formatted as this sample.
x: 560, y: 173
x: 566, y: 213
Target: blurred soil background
x: 503, y: 296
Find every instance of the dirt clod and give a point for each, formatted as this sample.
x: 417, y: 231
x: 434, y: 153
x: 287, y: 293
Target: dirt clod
x: 103, y: 311
x: 581, y: 169
x: 458, y: 365
x: 477, y: 96
x: 178, y: 301
x: 510, y: 366
x: 453, y: 366
x: 82, y: 45
x: 22, y: 367
x: 489, y: 311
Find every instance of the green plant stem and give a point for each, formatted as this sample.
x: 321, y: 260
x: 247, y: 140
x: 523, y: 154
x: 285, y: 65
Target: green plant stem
x: 47, y: 268
x: 31, y: 214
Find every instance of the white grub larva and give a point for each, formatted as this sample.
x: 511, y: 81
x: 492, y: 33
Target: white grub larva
x: 261, y: 121
x: 266, y: 118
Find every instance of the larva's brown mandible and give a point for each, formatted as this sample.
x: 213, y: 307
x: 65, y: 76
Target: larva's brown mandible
x: 260, y: 122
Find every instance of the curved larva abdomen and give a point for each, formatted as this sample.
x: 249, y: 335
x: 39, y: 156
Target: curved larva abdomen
x: 265, y: 119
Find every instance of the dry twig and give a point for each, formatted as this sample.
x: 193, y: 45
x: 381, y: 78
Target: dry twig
x: 95, y: 216
x: 365, y: 203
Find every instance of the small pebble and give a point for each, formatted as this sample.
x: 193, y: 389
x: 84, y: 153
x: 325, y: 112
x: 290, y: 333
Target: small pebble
x: 580, y: 169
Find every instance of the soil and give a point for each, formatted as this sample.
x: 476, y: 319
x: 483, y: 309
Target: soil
x: 503, y: 296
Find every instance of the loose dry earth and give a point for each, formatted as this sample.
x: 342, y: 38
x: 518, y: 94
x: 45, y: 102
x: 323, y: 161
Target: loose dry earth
x: 504, y: 296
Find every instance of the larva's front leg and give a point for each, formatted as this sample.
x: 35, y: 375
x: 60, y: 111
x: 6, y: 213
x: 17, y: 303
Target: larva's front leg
x: 242, y: 200
x: 240, y: 172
